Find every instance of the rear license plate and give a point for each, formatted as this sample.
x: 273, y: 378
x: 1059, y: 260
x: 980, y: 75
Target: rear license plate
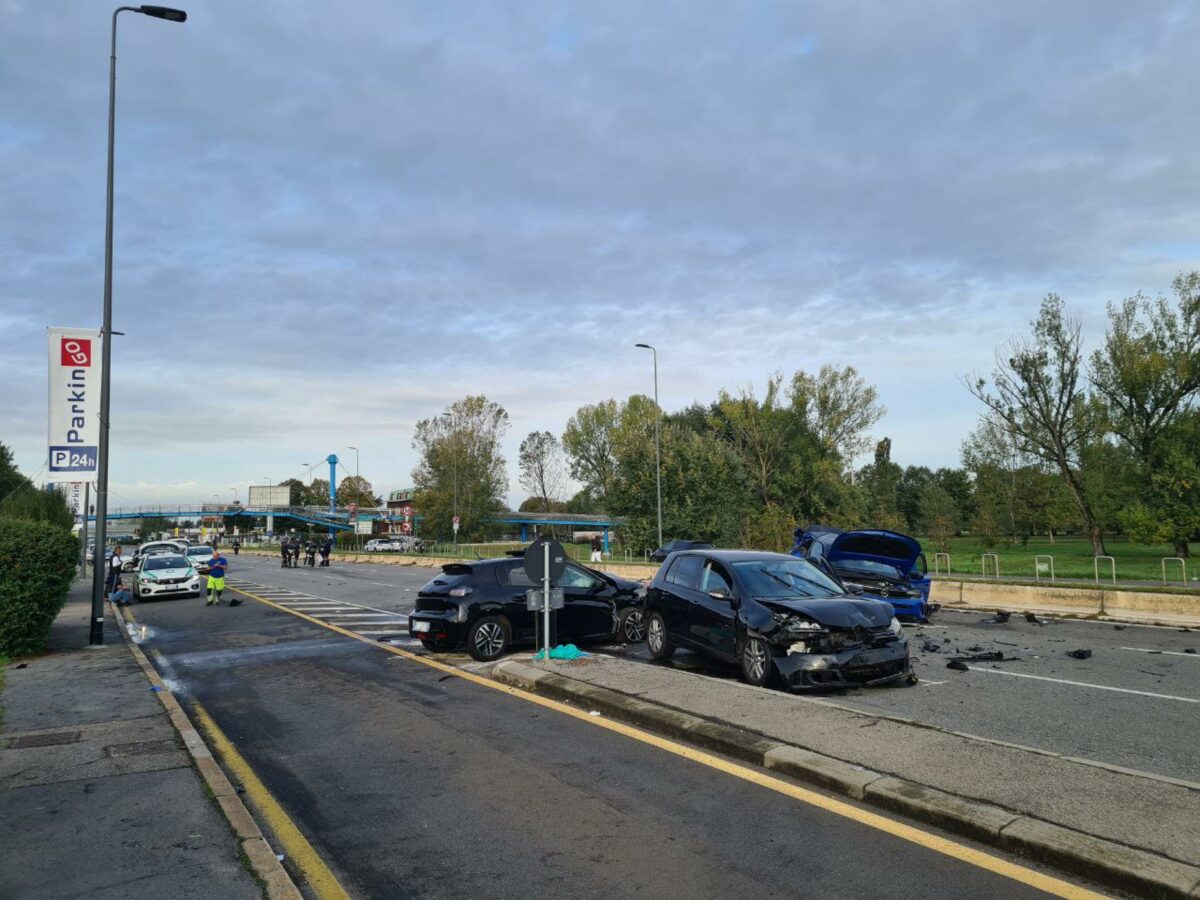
x: 420, y: 626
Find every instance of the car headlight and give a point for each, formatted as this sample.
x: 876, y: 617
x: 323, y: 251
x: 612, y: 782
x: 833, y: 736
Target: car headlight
x: 794, y: 624
x: 895, y: 627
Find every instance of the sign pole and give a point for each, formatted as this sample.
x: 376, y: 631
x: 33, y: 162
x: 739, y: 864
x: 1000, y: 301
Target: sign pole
x: 546, y: 598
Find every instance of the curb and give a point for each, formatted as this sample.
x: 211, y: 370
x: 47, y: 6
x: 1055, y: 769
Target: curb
x: 263, y: 861
x: 1108, y: 862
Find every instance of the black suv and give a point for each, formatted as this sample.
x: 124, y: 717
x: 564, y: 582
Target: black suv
x: 777, y: 617
x: 482, y: 604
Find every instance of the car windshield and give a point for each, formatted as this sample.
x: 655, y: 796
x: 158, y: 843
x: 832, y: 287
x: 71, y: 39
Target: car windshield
x: 785, y: 578
x: 166, y: 562
x: 866, y: 567
x: 199, y: 551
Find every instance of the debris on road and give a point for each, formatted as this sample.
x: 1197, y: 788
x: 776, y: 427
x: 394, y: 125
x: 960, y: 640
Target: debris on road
x: 1189, y: 649
x: 930, y: 647
x: 1118, y: 628
x: 1079, y: 654
x: 989, y: 656
x: 957, y: 665
x: 998, y: 619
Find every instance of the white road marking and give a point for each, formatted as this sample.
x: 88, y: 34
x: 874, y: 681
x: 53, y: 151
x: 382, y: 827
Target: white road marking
x: 1163, y: 652
x: 363, y: 616
x: 923, y: 681
x: 1099, y: 687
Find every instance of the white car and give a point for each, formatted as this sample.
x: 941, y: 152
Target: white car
x: 166, y: 575
x: 383, y: 545
x: 199, y: 556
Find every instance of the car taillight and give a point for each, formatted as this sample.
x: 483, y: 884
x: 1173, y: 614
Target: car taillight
x: 460, y: 591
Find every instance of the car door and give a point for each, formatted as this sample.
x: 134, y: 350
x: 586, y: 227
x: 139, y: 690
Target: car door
x: 514, y: 583
x: 587, y: 611
x: 712, y: 615
x: 676, y: 593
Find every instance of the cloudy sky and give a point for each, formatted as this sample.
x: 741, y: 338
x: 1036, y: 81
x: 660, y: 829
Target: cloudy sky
x: 330, y: 224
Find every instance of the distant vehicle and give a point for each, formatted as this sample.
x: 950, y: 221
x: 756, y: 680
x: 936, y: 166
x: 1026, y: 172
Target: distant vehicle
x: 779, y: 618
x: 483, y: 604
x: 199, y: 555
x: 890, y: 566
x: 383, y: 545
x: 674, y: 546
x: 166, y: 574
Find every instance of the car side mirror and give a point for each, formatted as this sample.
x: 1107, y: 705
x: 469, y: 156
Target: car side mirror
x: 853, y: 587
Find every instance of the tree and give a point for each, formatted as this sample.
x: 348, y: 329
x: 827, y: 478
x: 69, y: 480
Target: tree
x: 1037, y: 394
x: 461, y: 469
x: 317, y: 493
x: 20, y: 498
x: 587, y: 441
x: 1147, y: 376
x: 759, y: 433
x: 939, y: 515
x: 880, y: 479
x: 298, y: 493
x: 839, y: 407
x: 357, y: 490
x: 541, y: 465
x: 152, y: 526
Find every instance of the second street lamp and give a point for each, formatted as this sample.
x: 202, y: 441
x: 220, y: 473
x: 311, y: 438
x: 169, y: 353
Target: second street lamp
x: 657, y: 441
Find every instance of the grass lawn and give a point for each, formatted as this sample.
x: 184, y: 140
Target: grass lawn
x: 1072, y: 559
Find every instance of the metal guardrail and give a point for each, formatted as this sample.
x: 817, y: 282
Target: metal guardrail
x: 1096, y: 568
x: 983, y: 558
x: 936, y: 558
x: 1037, y: 566
x: 1182, y: 568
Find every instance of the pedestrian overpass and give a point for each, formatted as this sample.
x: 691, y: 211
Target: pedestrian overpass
x: 338, y: 519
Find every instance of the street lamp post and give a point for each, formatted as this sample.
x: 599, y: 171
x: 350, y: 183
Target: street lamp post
x: 454, y: 459
x: 657, y: 441
x: 96, y: 632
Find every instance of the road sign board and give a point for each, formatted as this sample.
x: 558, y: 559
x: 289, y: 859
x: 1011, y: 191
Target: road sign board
x: 454, y: 520
x: 406, y: 527
x: 407, y: 510
x: 535, y: 561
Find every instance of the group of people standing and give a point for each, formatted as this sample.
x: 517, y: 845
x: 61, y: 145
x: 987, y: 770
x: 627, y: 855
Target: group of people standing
x: 289, y: 550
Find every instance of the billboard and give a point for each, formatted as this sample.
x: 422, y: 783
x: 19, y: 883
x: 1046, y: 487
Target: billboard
x: 262, y: 495
x: 73, y: 410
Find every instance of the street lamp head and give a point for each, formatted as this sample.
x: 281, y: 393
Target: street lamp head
x: 164, y: 12
x: 644, y: 346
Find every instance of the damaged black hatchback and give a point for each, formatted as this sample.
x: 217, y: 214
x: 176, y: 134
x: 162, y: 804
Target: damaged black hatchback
x: 778, y: 617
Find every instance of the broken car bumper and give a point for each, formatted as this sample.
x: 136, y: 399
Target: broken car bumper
x: 849, y: 668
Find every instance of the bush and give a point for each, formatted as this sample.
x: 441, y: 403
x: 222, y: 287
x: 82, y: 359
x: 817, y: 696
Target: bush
x: 38, y: 563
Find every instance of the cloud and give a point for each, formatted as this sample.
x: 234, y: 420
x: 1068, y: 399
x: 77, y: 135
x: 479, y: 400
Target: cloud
x: 329, y: 227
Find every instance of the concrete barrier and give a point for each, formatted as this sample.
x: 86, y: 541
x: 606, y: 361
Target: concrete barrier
x: 1171, y: 608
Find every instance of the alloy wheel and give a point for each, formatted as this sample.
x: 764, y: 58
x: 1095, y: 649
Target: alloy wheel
x: 755, y: 660
x: 635, y: 627
x: 655, y: 638
x: 489, y: 639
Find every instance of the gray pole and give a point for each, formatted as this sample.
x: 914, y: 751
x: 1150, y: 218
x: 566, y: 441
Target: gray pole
x: 96, y: 636
x: 657, y: 448
x: 657, y: 441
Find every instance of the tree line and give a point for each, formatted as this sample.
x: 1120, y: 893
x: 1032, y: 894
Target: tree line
x: 1099, y: 443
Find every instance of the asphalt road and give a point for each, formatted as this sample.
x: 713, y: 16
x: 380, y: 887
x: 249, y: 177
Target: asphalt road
x: 1135, y: 703
x: 412, y: 782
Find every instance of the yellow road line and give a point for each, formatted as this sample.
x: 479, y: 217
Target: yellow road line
x: 1054, y: 886
x: 322, y: 881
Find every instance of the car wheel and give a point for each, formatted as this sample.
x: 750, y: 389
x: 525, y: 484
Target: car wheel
x: 489, y: 638
x: 757, y: 667
x: 631, y: 626
x: 656, y: 637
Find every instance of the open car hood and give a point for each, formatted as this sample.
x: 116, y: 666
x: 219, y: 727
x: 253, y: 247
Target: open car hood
x: 835, y: 612
x: 888, y: 547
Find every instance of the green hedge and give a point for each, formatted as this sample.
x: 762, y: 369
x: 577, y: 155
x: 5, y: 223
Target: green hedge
x: 37, y: 566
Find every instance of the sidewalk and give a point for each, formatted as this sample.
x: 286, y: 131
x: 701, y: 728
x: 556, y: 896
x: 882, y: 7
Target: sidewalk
x: 99, y: 796
x: 1116, y: 827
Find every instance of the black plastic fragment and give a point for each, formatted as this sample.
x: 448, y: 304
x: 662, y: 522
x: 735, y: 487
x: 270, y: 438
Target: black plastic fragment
x: 1079, y: 654
x: 957, y: 665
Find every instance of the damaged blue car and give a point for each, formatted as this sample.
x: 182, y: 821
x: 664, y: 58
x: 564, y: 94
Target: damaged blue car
x: 886, y: 564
